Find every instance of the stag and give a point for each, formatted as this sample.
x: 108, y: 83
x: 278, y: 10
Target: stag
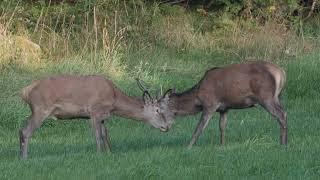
x: 235, y: 86
x: 90, y: 97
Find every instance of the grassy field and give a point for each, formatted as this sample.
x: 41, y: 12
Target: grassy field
x: 66, y: 149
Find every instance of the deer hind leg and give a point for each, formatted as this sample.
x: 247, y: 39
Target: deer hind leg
x: 222, y: 126
x: 275, y: 108
x: 33, y: 123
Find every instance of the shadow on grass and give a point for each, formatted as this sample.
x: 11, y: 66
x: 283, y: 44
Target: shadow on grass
x: 148, y: 143
x: 126, y: 145
x: 43, y: 150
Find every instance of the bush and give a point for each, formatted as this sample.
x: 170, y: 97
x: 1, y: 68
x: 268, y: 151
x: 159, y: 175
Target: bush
x: 104, y: 31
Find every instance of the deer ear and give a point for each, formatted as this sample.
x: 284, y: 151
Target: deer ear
x: 146, y: 97
x: 168, y: 93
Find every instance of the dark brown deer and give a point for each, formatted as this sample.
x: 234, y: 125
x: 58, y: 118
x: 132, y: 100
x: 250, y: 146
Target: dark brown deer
x: 94, y: 97
x: 235, y: 86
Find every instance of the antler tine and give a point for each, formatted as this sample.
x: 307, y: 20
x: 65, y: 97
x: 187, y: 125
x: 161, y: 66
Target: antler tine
x: 142, y: 88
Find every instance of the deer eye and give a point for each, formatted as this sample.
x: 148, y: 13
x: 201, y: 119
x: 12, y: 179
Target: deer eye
x: 157, y: 110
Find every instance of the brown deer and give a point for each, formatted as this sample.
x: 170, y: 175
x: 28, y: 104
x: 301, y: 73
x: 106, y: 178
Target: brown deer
x: 235, y: 86
x: 94, y: 97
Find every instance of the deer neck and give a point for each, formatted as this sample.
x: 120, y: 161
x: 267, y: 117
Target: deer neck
x: 186, y: 103
x: 130, y: 107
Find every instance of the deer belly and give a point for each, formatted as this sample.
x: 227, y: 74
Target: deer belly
x: 69, y: 111
x: 240, y: 104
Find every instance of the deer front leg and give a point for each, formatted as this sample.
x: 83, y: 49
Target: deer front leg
x: 105, y: 138
x: 96, y: 126
x: 205, y: 117
x: 222, y: 125
x: 98, y: 115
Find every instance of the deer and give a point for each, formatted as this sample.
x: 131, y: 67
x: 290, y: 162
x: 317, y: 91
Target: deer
x: 90, y: 97
x: 235, y: 86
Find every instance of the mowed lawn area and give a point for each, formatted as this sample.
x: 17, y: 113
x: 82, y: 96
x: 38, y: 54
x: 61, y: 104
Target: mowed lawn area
x: 66, y: 149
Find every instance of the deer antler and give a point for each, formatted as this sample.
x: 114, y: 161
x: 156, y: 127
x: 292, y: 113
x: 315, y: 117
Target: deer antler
x: 141, y: 86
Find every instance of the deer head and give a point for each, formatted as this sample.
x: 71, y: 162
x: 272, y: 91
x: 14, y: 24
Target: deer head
x: 153, y: 111
x: 167, y: 107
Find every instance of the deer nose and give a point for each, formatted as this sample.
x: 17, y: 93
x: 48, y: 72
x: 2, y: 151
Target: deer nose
x: 164, y: 129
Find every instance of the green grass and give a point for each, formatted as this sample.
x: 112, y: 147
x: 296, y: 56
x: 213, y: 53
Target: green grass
x: 66, y: 149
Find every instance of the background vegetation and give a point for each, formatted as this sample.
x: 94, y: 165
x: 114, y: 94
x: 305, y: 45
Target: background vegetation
x: 167, y: 44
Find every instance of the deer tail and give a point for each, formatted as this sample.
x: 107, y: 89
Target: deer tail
x: 25, y: 92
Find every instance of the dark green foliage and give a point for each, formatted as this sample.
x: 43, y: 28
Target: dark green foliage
x: 137, y: 14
